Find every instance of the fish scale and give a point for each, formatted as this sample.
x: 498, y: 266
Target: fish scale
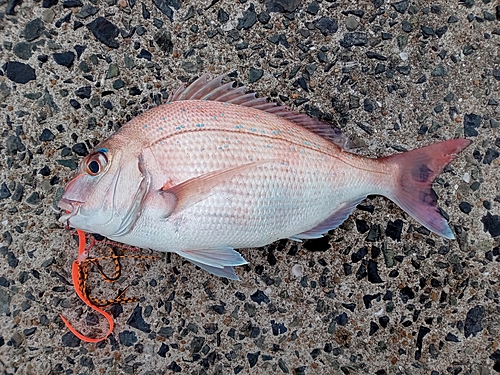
x: 204, y: 177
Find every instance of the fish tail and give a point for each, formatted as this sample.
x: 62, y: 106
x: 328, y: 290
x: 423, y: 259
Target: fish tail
x: 412, y: 189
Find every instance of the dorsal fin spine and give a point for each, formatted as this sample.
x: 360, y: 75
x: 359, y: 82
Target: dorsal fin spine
x: 205, y: 89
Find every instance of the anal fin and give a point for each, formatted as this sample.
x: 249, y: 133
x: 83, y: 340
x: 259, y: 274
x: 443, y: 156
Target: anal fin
x: 332, y: 222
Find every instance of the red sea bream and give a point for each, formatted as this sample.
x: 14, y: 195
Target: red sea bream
x: 215, y: 169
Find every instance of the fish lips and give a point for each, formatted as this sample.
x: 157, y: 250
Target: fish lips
x: 70, y: 208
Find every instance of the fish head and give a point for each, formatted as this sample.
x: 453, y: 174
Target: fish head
x: 105, y: 196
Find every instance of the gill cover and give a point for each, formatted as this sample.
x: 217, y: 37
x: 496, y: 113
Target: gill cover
x: 106, y: 196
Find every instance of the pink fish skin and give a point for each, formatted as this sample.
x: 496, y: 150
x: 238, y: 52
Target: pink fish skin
x: 216, y: 169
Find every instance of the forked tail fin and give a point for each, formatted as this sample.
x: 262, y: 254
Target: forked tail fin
x: 417, y: 170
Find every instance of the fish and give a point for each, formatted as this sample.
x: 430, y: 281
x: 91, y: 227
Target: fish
x: 215, y: 169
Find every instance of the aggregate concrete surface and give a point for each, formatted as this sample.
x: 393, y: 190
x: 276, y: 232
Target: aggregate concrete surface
x: 379, y: 295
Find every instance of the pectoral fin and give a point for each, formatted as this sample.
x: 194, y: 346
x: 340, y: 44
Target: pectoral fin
x: 199, y: 188
x: 219, y: 261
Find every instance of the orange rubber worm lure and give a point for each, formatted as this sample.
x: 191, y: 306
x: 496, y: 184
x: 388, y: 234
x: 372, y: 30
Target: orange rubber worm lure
x: 75, y: 274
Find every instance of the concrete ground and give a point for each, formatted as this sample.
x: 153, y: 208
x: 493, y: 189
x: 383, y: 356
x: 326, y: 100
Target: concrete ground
x: 379, y: 295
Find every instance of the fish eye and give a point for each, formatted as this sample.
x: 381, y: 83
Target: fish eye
x: 94, y: 167
x: 96, y: 163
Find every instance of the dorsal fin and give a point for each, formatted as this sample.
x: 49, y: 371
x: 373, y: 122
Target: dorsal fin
x: 205, y: 89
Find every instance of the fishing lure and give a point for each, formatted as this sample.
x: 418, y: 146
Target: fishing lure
x: 80, y: 274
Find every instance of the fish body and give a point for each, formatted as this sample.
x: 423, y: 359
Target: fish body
x: 216, y: 169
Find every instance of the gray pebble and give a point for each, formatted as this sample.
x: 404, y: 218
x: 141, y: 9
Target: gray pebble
x: 451, y: 337
x: 438, y: 71
x: 351, y: 23
x: 354, y: 39
x: 87, y: 11
x: 165, y: 7
x: 222, y: 16
x: 127, y: 338
x: 34, y: 198
x: 471, y: 122
x: 23, y: 50
x: 44, y: 321
x: 118, y: 84
x: 259, y: 296
x: 33, y: 29
x: 66, y: 151
x: 113, y: 71
x: 33, y: 95
x: 192, y: 67
x: 326, y: 25
x: 70, y: 340
x: 7, y: 238
x: 69, y: 163
x: 401, y: 6
x: 488, y: 16
x: 282, y: 6
x: 404, y: 70
x: 354, y: 101
x: 368, y: 105
x: 253, y: 358
x: 46, y: 135
x: 406, y: 26
x: 104, y: 31
x: 449, y: 97
x: 12, y: 260
x: 163, y: 39
x: 427, y: 31
x: 282, y: 366
x: 435, y: 126
x: 19, y: 72
x: 64, y: 58
x: 72, y: 3
x: 137, y: 321
x: 4, y: 191
x: 83, y: 92
x: 166, y: 332
x: 29, y: 331
x: 87, y: 362
x: 312, y: 8
x: 4, y: 91
x: 17, y: 340
x: 468, y: 50
x: 250, y: 309
x: 84, y: 67
x: 197, y: 343
x: 491, y: 154
x: 255, y: 74
x: 162, y: 352
x: 192, y: 327
x: 249, y: 18
x: 5, y: 299
x: 473, y: 321
x: 264, y: 17
x: 375, y: 55
x: 441, y: 31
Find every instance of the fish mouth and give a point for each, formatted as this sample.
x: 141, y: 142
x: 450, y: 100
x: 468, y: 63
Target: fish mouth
x: 69, y: 209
